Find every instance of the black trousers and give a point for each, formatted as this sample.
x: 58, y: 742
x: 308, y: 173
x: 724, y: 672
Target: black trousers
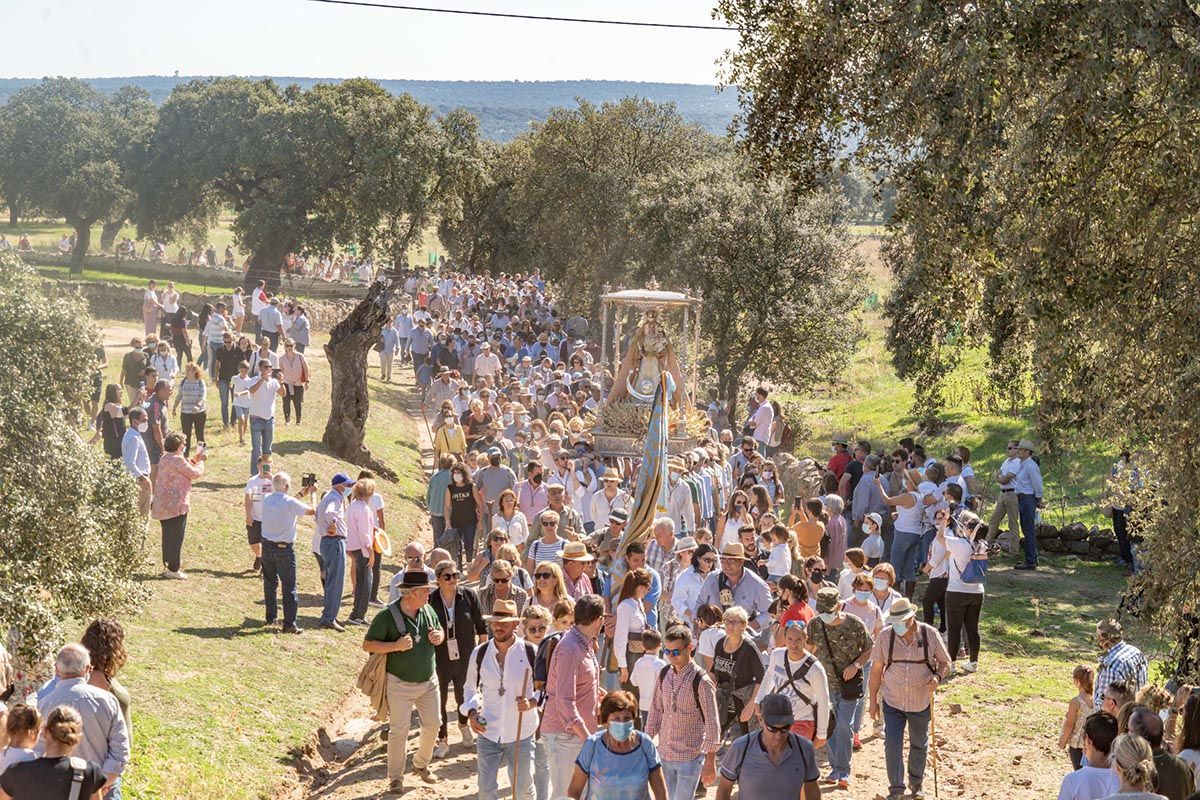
x: 293, y: 399
x: 173, y: 531
x: 362, y: 585
x: 279, y: 573
x: 935, y: 596
x: 192, y: 423
x: 376, y: 576
x: 456, y: 672
x: 963, y: 609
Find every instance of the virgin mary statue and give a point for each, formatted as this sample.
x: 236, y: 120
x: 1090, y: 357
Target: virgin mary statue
x: 649, y: 354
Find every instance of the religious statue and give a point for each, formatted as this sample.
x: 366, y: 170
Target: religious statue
x: 649, y: 354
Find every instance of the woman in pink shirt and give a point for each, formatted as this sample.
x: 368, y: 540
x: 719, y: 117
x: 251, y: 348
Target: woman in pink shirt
x: 172, y: 499
x: 360, y: 544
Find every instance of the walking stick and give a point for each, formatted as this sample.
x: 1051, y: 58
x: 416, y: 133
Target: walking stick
x: 933, y: 741
x: 517, y: 743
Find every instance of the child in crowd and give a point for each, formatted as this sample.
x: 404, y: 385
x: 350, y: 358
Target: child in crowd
x: 564, y: 615
x: 1078, y: 710
x: 644, y: 675
x: 779, y: 563
x: 21, y: 730
x: 872, y: 546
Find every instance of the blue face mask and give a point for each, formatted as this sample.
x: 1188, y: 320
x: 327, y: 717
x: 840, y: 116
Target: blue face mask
x: 862, y: 595
x: 881, y: 584
x: 620, y: 730
x: 900, y: 627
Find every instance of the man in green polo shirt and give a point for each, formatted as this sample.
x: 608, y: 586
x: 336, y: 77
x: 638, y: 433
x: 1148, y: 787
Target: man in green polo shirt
x: 407, y: 631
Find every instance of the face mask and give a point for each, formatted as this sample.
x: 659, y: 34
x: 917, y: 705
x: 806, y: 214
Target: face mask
x: 862, y: 595
x: 818, y: 575
x: 508, y: 418
x: 536, y: 478
x: 900, y: 627
x: 867, y: 529
x: 142, y: 427
x: 674, y: 478
x: 458, y: 478
x: 768, y: 475
x: 827, y: 616
x: 880, y: 584
x: 620, y: 730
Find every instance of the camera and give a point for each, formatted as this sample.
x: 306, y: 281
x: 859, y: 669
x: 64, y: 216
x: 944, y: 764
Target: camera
x: 309, y: 479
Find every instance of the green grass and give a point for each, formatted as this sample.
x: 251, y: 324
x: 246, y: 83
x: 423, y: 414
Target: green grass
x: 113, y: 276
x: 220, y: 701
x: 874, y: 404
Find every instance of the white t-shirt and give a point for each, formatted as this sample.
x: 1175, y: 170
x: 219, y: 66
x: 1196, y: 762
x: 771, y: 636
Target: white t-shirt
x: 241, y: 387
x: 764, y: 415
x: 780, y: 560
x: 1089, y: 783
x: 644, y: 676
x: 16, y: 755
x: 257, y: 488
x: 262, y: 402
x: 708, y: 640
x: 959, y: 551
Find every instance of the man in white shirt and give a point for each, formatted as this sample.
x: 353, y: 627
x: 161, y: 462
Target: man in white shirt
x: 258, y: 487
x: 258, y: 301
x: 271, y: 321
x: 137, y: 457
x: 1096, y: 779
x: 680, y: 507
x: 404, y: 326
x: 262, y: 413
x: 1006, y: 502
x: 760, y: 422
x: 796, y: 673
x: 494, y: 703
x: 487, y: 363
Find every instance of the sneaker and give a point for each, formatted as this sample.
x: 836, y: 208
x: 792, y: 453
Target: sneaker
x: 843, y: 783
x: 357, y: 621
x: 953, y: 669
x: 395, y: 787
x: 292, y: 629
x: 424, y: 774
x: 857, y: 743
x: 970, y: 666
x: 175, y: 576
x: 468, y: 738
x: 918, y: 793
x: 441, y: 749
x: 333, y: 626
x: 829, y: 780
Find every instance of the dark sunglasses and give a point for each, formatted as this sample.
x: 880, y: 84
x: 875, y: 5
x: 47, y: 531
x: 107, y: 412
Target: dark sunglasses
x: 450, y: 576
x: 501, y: 580
x: 499, y: 537
x: 674, y: 651
x: 543, y: 575
x: 780, y: 729
x: 539, y: 629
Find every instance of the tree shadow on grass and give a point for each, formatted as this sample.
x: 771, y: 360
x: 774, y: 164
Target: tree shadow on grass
x: 248, y: 627
x: 217, y: 573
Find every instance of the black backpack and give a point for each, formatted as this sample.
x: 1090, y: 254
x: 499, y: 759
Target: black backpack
x: 541, y: 663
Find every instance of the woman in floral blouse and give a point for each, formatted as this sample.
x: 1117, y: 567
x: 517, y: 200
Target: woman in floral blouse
x: 172, y: 499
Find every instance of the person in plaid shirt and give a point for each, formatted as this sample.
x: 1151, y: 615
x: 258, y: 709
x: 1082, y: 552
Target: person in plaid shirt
x: 683, y: 714
x: 1121, y: 661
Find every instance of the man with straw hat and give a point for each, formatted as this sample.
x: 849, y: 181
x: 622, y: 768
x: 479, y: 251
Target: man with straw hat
x: 575, y: 557
x: 500, y: 705
x: 734, y: 585
x: 908, y: 662
x: 1027, y: 484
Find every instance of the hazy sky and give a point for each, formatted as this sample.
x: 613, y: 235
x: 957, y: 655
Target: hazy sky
x: 93, y: 38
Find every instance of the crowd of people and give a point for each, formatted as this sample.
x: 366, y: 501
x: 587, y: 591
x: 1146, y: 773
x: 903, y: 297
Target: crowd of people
x: 740, y: 644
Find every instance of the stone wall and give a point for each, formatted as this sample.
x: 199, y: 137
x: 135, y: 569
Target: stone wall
x: 1094, y: 543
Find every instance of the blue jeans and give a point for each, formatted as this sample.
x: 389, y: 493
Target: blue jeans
x: 262, y: 435
x: 491, y: 756
x: 906, y: 555
x: 541, y: 770
x: 926, y: 541
x: 279, y: 568
x: 894, y: 723
x: 1027, y: 513
x: 333, y: 556
x: 856, y: 724
x: 226, y: 393
x: 682, y: 777
x: 841, y: 739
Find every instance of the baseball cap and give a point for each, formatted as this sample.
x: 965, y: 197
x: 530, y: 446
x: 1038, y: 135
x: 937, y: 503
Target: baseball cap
x: 776, y: 710
x: 340, y: 479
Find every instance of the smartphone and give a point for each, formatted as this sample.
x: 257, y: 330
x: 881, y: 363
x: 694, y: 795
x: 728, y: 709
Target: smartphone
x: 797, y: 501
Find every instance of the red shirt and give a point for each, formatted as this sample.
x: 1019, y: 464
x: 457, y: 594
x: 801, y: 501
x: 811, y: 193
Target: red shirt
x: 796, y: 611
x: 837, y: 465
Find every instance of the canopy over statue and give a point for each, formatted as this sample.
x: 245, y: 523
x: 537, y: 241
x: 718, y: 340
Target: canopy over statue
x: 660, y: 326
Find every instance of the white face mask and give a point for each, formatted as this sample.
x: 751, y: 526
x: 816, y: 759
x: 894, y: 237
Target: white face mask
x: 880, y: 584
x: 868, y: 529
x: 142, y: 427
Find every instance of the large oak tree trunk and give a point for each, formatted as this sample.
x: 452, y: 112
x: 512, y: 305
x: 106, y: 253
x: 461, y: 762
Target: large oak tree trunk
x: 83, y: 238
x: 108, y: 234
x: 349, y: 342
x: 265, y: 265
x: 14, y: 213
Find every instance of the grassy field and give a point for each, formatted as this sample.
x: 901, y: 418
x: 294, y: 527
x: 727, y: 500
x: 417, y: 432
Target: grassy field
x: 220, y: 701
x: 44, y: 235
x: 871, y: 402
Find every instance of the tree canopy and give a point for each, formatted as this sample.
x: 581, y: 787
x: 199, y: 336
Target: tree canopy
x: 1045, y: 157
x: 70, y: 534
x: 69, y: 150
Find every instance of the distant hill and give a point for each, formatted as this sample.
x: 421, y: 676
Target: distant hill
x: 504, y: 108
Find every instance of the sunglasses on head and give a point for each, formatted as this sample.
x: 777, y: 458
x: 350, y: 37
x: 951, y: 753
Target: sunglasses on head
x: 674, y: 651
x: 796, y: 623
x: 543, y: 576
